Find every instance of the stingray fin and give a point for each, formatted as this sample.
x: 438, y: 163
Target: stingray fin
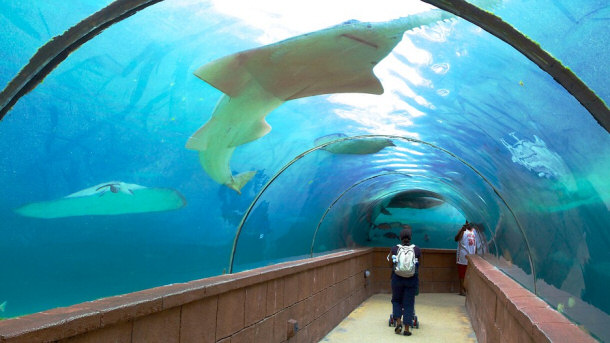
x: 240, y: 180
x: 126, y: 191
x: 199, y: 140
x: 360, y: 83
x: 227, y: 74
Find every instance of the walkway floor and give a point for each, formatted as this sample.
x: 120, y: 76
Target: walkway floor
x: 442, y: 317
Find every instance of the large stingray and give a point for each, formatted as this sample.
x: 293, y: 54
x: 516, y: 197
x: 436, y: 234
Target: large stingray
x: 339, y: 59
x: 360, y: 146
x: 110, y: 198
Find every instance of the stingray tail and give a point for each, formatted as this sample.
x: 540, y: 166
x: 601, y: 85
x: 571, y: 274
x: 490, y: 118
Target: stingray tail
x: 240, y: 180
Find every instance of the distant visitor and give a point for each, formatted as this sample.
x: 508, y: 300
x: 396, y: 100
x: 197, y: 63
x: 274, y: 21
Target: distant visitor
x: 469, y: 243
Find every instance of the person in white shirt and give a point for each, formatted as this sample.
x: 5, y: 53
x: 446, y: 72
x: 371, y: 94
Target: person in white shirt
x: 469, y: 242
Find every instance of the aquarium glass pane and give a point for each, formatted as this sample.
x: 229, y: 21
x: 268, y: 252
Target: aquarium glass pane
x: 195, y: 138
x: 572, y: 31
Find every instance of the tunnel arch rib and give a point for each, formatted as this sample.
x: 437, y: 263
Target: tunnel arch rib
x: 534, y: 52
x: 332, y: 204
x: 357, y: 184
x: 405, y: 139
x: 54, y: 52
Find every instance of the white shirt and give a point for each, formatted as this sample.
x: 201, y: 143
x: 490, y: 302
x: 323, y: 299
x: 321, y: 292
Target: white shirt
x: 469, y: 244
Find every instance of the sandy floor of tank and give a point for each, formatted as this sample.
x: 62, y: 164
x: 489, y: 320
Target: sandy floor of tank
x: 442, y: 317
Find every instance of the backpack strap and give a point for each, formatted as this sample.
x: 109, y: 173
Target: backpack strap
x: 390, y: 254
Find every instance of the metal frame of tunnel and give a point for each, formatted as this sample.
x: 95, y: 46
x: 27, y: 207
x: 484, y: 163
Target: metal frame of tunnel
x: 51, y: 54
x: 405, y: 139
x: 313, y: 241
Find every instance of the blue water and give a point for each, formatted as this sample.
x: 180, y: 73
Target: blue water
x: 504, y: 144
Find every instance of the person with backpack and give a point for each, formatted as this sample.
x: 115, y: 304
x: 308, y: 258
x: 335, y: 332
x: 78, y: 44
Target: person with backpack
x: 405, y: 281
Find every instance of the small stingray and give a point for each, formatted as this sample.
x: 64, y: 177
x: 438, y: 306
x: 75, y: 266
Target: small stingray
x: 360, y: 146
x: 339, y: 59
x: 416, y: 198
x: 110, y: 198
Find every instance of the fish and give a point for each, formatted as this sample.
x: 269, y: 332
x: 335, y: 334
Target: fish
x: 126, y: 198
x: 385, y: 211
x: 339, y: 59
x: 357, y: 146
x: 416, y: 198
x: 392, y: 225
x: 390, y: 235
x: 3, y: 306
x: 383, y: 226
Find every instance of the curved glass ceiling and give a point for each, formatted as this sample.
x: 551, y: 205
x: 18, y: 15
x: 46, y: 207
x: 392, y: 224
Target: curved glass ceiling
x: 178, y: 143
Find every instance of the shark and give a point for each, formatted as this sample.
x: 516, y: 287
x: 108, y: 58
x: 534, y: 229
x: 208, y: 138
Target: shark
x: 416, y: 198
x: 359, y: 146
x: 254, y: 82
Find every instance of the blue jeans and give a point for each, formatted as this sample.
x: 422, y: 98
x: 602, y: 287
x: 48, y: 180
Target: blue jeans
x: 403, y: 297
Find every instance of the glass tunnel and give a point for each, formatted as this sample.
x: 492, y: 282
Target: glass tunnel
x: 145, y: 143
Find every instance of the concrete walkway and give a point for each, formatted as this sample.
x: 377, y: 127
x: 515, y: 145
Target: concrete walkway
x: 442, y: 317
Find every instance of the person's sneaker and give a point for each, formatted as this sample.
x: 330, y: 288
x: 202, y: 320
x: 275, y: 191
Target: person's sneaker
x: 398, y: 328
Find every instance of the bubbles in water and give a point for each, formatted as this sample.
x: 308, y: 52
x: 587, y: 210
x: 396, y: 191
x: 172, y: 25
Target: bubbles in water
x: 440, y: 68
x: 442, y: 92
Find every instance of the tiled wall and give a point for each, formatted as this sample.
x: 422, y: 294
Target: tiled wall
x: 437, y: 271
x: 261, y: 305
x: 501, y: 310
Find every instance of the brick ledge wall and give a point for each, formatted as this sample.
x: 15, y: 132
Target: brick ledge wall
x: 501, y: 310
x: 263, y: 305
